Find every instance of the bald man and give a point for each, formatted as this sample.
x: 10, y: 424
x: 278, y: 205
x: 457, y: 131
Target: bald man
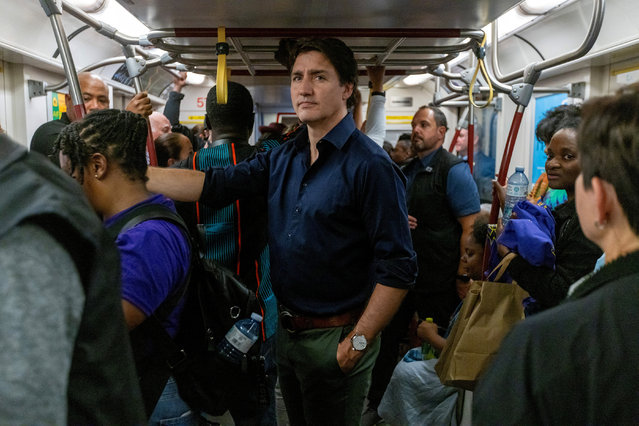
x: 160, y: 124
x: 95, y: 95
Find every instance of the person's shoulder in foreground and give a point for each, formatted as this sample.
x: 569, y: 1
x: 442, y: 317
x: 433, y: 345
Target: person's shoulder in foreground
x: 80, y: 365
x: 558, y: 366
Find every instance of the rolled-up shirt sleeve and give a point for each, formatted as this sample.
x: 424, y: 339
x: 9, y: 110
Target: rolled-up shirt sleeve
x: 376, y: 120
x: 386, y: 219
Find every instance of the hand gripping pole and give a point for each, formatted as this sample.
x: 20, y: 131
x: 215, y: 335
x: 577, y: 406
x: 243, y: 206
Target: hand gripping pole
x: 521, y: 95
x: 135, y: 67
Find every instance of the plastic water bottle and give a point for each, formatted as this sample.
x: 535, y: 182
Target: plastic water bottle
x: 516, y: 190
x: 428, y: 352
x: 240, y: 338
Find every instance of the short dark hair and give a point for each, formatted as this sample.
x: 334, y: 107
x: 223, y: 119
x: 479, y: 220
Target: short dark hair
x: 335, y: 50
x: 168, y: 146
x: 440, y: 117
x: 548, y: 125
x: 388, y: 147
x: 404, y: 137
x: 608, y: 144
x: 118, y: 135
x: 235, y: 115
x: 480, y: 228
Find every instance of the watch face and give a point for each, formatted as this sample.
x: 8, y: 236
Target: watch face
x: 358, y: 342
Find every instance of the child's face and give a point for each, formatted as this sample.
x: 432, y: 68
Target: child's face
x: 471, y: 260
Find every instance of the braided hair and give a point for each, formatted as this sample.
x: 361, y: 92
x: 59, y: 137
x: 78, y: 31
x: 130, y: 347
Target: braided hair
x: 118, y: 135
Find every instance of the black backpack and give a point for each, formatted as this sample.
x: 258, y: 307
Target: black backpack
x: 215, y: 299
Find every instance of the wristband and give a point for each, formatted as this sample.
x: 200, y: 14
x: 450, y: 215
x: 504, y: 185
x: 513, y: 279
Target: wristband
x: 378, y: 93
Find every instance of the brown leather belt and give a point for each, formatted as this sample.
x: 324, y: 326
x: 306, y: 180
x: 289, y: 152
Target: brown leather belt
x: 293, y: 322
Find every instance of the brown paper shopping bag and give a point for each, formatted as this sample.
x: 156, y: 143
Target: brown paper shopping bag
x: 489, y: 311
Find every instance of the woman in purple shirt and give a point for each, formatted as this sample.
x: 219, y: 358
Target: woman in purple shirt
x: 105, y: 153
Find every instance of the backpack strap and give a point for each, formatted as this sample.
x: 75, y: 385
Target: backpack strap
x: 169, y: 354
x: 142, y: 214
x: 154, y: 212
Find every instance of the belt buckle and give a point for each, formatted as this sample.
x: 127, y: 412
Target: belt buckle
x: 286, y: 321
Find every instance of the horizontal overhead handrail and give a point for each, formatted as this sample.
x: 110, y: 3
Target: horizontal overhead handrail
x: 211, y: 61
x: 110, y: 61
x: 157, y: 39
x: 593, y: 32
x: 101, y: 27
x: 331, y: 32
x: 450, y: 97
x: 99, y: 64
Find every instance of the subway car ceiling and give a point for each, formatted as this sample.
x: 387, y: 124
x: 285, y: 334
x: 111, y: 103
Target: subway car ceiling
x: 408, y: 37
x: 402, y: 35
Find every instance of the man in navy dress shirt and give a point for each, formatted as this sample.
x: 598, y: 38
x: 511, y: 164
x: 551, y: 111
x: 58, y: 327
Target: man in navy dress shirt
x: 341, y: 252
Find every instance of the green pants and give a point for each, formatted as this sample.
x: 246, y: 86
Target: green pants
x: 315, y: 390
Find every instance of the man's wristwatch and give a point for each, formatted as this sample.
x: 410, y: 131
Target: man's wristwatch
x: 358, y: 342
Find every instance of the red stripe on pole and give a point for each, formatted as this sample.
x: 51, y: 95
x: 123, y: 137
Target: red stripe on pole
x: 454, y: 141
x: 501, y: 177
x: 510, y: 145
x: 79, y: 111
x: 150, y: 145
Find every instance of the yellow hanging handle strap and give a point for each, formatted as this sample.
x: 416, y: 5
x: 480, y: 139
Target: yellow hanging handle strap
x: 221, y: 50
x: 480, y: 52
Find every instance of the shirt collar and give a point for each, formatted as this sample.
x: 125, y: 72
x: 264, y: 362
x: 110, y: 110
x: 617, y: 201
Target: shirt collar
x: 619, y: 268
x: 337, y: 136
x: 425, y: 162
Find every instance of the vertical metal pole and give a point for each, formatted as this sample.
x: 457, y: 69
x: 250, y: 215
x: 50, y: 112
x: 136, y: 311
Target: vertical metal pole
x: 510, y: 144
x: 501, y: 177
x: 53, y: 11
x: 457, y: 128
x: 454, y: 141
x: 134, y: 73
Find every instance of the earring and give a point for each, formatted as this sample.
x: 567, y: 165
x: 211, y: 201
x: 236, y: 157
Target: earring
x: 96, y: 176
x: 602, y: 225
